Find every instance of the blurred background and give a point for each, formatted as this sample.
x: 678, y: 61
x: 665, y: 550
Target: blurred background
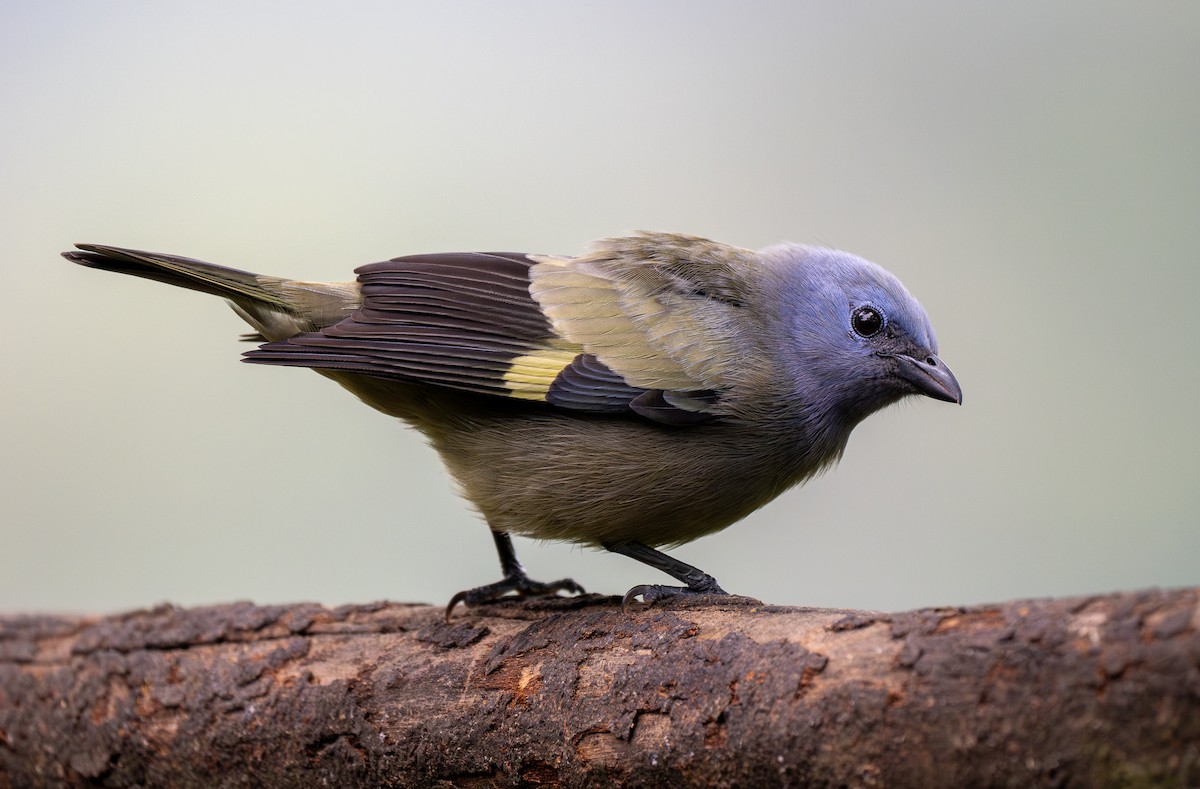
x: 1031, y: 171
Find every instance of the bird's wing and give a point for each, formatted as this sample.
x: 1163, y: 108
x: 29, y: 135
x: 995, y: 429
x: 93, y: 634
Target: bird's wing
x: 610, y: 332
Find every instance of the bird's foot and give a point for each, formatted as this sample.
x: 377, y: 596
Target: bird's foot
x: 652, y: 593
x: 517, y: 585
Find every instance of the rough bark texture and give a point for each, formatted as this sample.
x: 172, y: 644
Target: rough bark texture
x: 1097, y: 691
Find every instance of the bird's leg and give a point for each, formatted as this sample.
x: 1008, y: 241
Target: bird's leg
x: 515, y: 580
x: 698, y: 581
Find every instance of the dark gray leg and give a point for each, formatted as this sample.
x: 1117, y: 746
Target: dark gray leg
x: 698, y: 581
x: 515, y: 580
x: 509, y: 564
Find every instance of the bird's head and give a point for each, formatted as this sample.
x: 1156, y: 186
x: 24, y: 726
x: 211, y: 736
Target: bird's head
x: 859, y: 340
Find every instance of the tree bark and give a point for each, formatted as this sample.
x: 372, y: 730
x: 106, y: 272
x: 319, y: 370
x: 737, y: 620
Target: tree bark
x: 1095, y: 691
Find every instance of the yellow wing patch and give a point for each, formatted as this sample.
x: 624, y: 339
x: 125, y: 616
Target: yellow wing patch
x: 529, y: 377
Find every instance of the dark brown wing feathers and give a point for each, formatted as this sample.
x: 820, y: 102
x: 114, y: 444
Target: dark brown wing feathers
x: 465, y: 321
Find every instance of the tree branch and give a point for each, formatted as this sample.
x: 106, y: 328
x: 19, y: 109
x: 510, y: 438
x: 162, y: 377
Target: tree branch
x: 1097, y: 691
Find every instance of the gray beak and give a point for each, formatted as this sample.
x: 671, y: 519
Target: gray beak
x: 931, y: 377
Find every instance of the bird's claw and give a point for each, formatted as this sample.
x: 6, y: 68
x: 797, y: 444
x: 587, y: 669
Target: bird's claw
x: 518, y: 586
x: 651, y: 593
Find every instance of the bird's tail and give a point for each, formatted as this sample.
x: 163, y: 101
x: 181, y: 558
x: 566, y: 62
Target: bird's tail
x: 276, y: 308
x: 174, y: 270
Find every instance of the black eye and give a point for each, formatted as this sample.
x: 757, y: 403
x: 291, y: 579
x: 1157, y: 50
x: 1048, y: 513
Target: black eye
x: 867, y: 321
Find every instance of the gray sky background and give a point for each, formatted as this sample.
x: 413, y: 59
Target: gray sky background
x: 1030, y: 170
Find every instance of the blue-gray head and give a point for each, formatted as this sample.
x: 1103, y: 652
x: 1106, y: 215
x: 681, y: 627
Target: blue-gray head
x: 860, y: 340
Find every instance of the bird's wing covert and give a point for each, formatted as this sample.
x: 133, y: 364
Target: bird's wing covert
x: 666, y: 312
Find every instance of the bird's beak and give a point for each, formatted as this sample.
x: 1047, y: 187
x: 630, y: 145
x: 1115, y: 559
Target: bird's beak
x: 931, y: 377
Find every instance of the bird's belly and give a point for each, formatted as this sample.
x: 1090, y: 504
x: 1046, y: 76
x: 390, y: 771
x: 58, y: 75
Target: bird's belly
x: 545, y: 474
x: 609, y: 480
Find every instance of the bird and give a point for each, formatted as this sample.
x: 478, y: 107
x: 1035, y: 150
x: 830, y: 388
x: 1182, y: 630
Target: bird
x: 655, y: 389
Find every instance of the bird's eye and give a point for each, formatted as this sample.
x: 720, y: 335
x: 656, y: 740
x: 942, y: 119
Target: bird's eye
x: 867, y: 321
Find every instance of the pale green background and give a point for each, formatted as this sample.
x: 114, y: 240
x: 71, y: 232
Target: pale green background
x: 1031, y: 170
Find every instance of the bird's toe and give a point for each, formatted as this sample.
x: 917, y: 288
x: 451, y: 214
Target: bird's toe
x: 515, y: 586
